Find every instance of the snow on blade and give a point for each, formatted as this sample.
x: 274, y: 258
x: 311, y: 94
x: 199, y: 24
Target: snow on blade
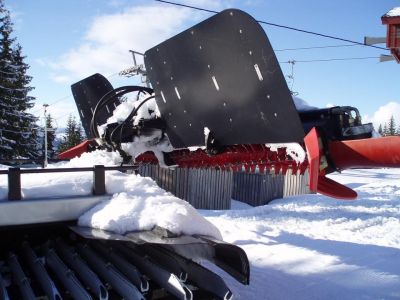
x: 293, y: 150
x: 157, y: 142
x: 136, y: 211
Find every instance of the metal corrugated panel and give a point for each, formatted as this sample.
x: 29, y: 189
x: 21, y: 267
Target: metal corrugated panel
x: 295, y: 184
x: 202, y: 188
x: 213, y: 189
x: 259, y: 189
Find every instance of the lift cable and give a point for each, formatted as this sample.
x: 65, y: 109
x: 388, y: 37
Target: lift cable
x: 280, y: 26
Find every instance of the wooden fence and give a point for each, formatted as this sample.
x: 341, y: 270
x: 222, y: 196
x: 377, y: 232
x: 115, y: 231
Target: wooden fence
x: 99, y: 185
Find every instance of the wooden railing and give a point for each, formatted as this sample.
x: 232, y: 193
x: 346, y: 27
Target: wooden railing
x: 99, y: 185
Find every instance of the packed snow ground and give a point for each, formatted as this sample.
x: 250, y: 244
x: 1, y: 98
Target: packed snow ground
x: 303, y: 247
x: 314, y: 247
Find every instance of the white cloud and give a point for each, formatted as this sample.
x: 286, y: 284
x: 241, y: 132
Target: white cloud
x: 61, y: 78
x: 105, y: 45
x: 383, y: 114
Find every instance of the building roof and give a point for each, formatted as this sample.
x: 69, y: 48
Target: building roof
x: 392, y: 16
x: 394, y: 12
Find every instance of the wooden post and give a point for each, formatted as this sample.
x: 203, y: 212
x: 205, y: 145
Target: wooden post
x: 14, y: 184
x: 99, y: 180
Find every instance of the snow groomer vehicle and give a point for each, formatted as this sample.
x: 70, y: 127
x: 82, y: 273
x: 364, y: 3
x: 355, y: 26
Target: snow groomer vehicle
x: 220, y: 100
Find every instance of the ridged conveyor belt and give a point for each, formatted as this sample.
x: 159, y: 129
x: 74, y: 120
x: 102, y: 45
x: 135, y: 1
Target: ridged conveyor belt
x: 53, y: 262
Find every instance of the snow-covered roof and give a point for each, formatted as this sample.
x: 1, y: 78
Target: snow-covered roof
x: 394, y: 12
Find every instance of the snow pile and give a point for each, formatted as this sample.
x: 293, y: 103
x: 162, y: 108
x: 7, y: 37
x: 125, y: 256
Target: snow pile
x: 143, y: 210
x: 395, y: 12
x: 97, y: 157
x: 315, y: 247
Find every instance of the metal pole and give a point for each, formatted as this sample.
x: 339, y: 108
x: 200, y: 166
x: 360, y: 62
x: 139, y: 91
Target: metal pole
x: 45, y: 136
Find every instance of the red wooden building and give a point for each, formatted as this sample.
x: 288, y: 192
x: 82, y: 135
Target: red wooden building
x: 392, y: 20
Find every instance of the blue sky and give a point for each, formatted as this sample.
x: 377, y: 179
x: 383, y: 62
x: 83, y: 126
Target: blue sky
x: 67, y: 40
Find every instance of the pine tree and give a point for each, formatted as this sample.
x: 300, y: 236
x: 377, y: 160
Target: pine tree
x: 380, y: 131
x: 392, y: 126
x: 73, y: 135
x: 51, y: 136
x: 385, y: 130
x: 27, y: 144
x: 7, y: 77
x: 18, y: 131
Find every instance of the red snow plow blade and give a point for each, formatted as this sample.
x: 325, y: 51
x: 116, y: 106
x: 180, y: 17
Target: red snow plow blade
x: 318, y: 168
x: 76, y: 151
x: 381, y: 152
x: 363, y: 153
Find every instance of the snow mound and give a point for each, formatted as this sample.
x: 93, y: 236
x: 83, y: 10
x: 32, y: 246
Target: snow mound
x: 97, y: 157
x: 138, y: 202
x: 127, y: 212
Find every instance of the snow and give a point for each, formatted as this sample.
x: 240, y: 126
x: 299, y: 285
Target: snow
x: 301, y: 247
x: 314, y: 247
x: 123, y: 110
x: 394, y: 12
x: 293, y: 150
x: 145, y: 208
x: 156, y: 141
